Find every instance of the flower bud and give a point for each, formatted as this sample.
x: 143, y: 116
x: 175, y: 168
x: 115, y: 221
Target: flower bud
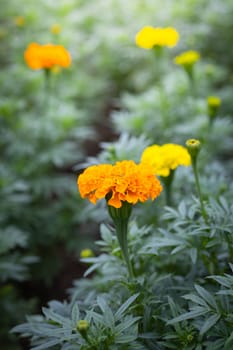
x: 82, y: 326
x: 213, y: 103
x: 55, y: 29
x: 86, y: 253
x: 193, y: 147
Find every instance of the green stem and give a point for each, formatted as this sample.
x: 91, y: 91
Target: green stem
x: 120, y: 217
x: 167, y: 181
x: 203, y: 212
x: 47, y: 88
x: 121, y: 231
x: 190, y: 73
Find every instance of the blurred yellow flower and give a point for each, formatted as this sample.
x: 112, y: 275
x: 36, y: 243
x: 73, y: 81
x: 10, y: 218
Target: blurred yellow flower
x: 187, y: 58
x: 46, y: 56
x: 149, y: 36
x: 213, y: 101
x: 165, y: 158
x: 125, y: 181
x: 19, y: 21
x: 86, y: 253
x: 55, y: 28
x: 170, y: 36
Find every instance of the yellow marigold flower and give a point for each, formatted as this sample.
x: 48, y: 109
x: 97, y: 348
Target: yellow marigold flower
x: 55, y: 29
x: 86, y: 253
x: 145, y: 37
x: 20, y: 21
x: 149, y: 36
x: 187, y: 58
x: 165, y: 158
x: 46, y: 56
x: 125, y: 181
x: 214, y: 101
x: 171, y: 37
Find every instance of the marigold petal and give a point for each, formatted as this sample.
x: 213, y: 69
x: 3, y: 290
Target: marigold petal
x: 126, y: 181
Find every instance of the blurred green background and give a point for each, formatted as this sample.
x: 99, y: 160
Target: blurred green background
x: 113, y: 92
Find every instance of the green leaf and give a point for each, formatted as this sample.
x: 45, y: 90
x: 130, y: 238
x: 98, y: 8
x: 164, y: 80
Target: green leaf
x: 124, y: 307
x: 196, y: 299
x: 47, y: 344
x: 126, y: 324
x: 198, y: 311
x: 206, y: 296
x: 75, y: 314
x: 107, y: 312
x: 193, y: 255
x: 51, y: 315
x: 210, y: 322
x: 229, y: 342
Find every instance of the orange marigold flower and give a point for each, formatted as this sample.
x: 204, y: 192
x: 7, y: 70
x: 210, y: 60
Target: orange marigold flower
x: 125, y: 181
x: 46, y: 56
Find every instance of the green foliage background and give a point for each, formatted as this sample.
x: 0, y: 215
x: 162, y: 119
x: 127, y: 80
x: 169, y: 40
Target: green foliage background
x: 113, y: 101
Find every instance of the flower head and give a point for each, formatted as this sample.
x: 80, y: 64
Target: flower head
x: 46, y: 56
x: 149, y: 36
x: 125, y: 181
x: 187, y: 58
x: 165, y: 158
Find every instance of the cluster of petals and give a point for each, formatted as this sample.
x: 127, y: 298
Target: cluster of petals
x: 165, y: 158
x: 149, y: 37
x: 125, y: 181
x: 187, y: 58
x: 46, y: 56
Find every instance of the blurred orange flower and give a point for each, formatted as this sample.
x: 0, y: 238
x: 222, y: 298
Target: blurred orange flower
x: 46, y: 56
x: 125, y: 181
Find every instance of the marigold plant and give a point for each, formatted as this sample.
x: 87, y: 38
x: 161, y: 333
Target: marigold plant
x: 149, y: 36
x: 46, y: 56
x: 187, y: 58
x: 165, y: 158
x: 125, y: 181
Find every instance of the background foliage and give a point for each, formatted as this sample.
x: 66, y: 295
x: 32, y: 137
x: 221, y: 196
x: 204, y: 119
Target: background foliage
x: 112, y: 102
